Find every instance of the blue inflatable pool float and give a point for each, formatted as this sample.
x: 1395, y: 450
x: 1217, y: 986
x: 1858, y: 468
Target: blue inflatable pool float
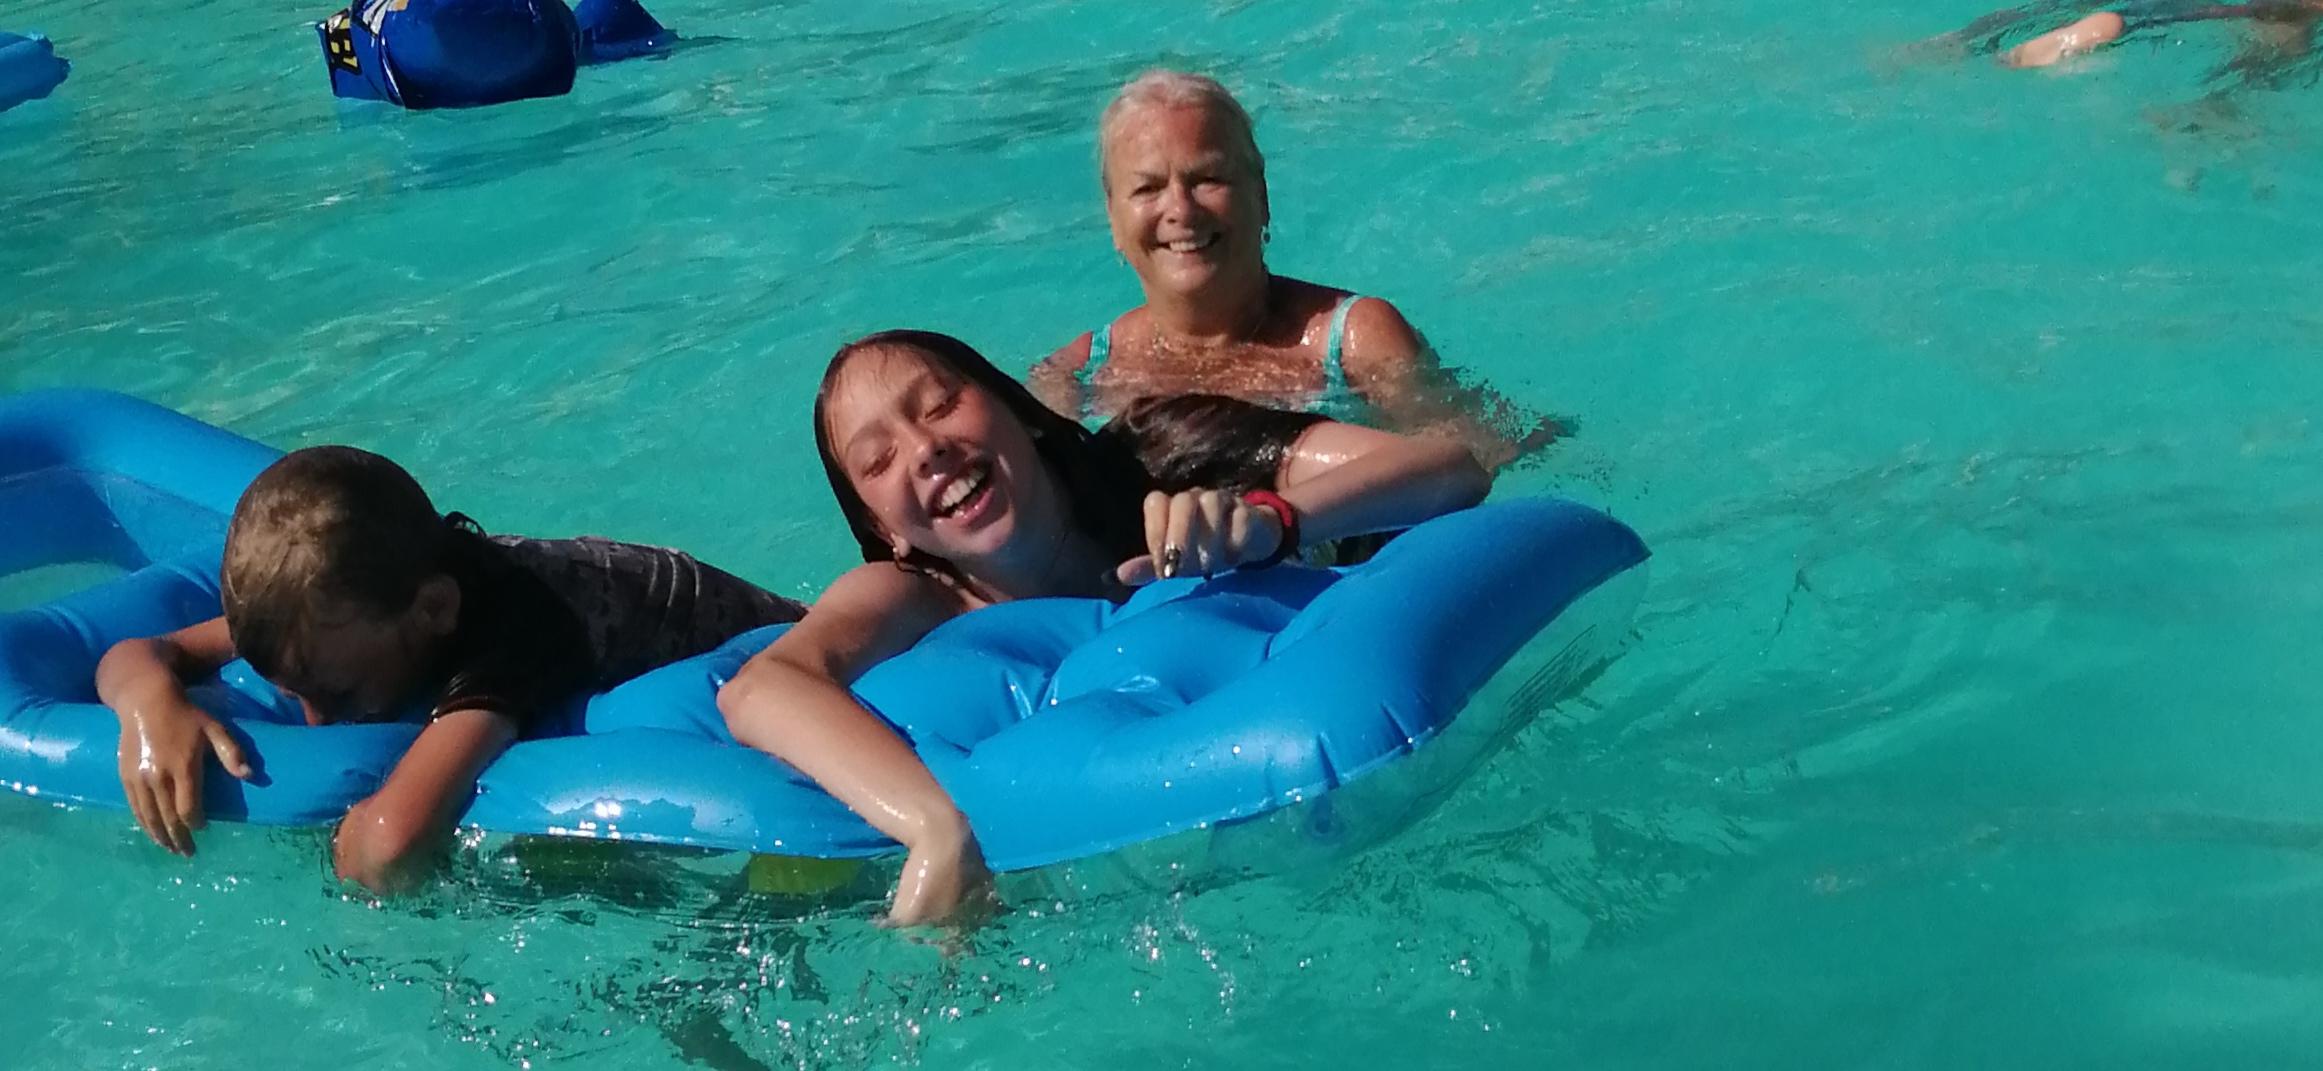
x: 29, y: 69
x: 470, y: 53
x: 1063, y: 727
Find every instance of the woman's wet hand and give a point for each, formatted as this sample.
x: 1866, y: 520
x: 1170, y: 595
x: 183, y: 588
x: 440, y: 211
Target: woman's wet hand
x: 1201, y: 533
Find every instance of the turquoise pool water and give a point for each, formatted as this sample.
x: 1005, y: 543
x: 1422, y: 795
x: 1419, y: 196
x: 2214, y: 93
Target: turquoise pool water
x: 1973, y: 719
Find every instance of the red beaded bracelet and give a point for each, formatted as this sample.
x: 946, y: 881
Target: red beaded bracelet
x: 1289, y: 517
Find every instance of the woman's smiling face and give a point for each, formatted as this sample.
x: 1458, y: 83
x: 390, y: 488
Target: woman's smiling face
x: 943, y: 467
x: 1187, y: 208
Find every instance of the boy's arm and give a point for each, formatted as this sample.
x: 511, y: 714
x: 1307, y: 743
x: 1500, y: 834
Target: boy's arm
x: 164, y: 736
x: 387, y: 842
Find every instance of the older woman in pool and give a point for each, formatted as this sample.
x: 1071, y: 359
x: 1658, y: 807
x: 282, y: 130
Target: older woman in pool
x: 1185, y: 191
x: 963, y: 491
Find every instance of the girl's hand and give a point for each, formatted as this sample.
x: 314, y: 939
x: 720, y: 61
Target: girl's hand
x: 944, y: 879
x: 1203, y: 533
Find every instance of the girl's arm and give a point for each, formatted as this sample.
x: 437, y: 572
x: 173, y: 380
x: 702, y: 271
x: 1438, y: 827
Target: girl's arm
x: 791, y: 700
x: 1339, y: 479
x: 1346, y: 480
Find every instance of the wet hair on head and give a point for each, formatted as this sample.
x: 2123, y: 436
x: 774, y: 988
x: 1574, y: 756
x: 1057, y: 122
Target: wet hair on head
x: 327, y: 523
x: 1188, y: 441
x: 1102, y: 482
x: 1179, y: 89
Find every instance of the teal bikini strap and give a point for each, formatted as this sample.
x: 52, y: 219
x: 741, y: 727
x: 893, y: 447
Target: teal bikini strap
x: 1100, y: 347
x: 1334, y: 372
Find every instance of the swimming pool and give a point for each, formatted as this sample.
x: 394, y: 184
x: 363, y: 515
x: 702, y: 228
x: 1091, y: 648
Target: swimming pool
x: 1970, y: 414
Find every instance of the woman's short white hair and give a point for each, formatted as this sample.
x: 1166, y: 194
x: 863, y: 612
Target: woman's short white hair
x: 1179, y: 89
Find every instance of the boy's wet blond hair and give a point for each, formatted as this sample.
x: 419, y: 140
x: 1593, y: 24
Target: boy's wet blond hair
x: 325, y: 525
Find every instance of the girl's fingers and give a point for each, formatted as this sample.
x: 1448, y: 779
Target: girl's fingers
x: 1157, y: 526
x: 1136, y: 572
x: 1203, y: 532
x: 1182, y: 515
x: 1217, y: 553
x: 1241, y: 532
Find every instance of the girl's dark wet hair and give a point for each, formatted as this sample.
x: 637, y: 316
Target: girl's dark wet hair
x: 1102, y: 481
x: 1208, y: 440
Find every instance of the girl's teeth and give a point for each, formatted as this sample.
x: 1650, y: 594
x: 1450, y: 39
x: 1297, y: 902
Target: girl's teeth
x: 959, y: 491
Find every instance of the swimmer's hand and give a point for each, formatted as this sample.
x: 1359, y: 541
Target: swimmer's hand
x: 164, y: 736
x: 944, y: 880
x: 163, y: 747
x: 1201, y: 533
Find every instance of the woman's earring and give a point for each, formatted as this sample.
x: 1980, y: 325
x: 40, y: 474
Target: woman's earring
x: 1266, y: 233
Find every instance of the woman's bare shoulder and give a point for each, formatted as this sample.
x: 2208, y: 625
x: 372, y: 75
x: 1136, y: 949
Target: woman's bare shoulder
x: 1068, y: 358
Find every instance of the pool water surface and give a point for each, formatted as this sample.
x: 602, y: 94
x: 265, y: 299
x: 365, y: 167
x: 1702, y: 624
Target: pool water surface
x: 1972, y: 714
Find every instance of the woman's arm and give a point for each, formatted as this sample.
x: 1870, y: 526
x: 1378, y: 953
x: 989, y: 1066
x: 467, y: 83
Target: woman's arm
x: 791, y: 700
x: 1396, y: 372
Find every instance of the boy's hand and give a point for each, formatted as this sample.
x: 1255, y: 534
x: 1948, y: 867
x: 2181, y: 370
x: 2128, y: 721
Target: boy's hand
x: 163, y: 747
x: 944, y: 879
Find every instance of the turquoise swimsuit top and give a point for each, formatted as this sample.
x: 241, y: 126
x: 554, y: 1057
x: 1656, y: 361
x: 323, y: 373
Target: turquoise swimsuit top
x: 1337, y: 398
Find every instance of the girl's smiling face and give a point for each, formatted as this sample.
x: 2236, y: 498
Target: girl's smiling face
x: 942, y: 466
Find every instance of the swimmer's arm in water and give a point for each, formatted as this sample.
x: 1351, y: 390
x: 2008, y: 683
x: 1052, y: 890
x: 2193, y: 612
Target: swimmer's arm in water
x: 2084, y: 35
x: 387, y: 842
x: 2284, y: 28
x: 1394, y: 369
x: 165, y: 738
x: 1055, y: 379
x: 791, y: 701
x: 1341, y: 479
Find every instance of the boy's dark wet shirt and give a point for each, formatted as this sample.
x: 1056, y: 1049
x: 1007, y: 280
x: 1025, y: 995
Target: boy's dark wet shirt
x: 541, y: 620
